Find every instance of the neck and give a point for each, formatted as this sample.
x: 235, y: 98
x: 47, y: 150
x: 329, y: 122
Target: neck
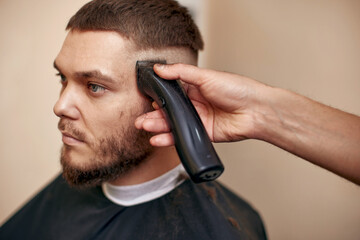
x: 158, y: 163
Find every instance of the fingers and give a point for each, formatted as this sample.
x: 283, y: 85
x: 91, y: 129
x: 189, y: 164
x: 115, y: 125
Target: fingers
x: 155, y: 122
x: 162, y: 140
x: 187, y: 73
x: 152, y: 122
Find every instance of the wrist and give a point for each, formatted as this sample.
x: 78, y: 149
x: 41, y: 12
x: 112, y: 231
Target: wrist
x: 279, y: 118
x: 267, y: 119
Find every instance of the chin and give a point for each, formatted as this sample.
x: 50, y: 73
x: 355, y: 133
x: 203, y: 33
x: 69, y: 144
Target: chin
x: 92, y: 171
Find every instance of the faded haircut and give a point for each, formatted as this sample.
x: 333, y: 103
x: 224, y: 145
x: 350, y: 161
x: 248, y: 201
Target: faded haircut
x: 148, y: 23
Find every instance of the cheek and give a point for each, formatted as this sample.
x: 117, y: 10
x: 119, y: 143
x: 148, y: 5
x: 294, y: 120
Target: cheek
x: 121, y: 116
x: 111, y: 120
x: 100, y: 122
x: 117, y: 113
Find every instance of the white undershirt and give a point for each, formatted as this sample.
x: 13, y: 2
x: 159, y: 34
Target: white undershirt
x: 147, y: 191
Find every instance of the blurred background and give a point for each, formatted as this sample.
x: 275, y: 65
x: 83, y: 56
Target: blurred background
x: 310, y: 47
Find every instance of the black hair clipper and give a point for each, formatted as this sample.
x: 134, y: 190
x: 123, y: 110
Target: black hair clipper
x: 192, y: 143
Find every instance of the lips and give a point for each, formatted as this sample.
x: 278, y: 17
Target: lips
x: 70, y: 139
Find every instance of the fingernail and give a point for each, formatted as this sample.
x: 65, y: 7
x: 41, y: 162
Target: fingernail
x: 159, y: 66
x: 138, y: 122
x: 155, y: 105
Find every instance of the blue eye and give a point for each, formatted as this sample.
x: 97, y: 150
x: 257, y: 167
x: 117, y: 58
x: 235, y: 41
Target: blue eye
x: 95, y: 88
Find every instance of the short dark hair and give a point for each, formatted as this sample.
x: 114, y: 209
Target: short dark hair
x: 148, y: 23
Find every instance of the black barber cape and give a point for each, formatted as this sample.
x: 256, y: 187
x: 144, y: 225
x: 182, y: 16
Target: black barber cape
x: 190, y: 211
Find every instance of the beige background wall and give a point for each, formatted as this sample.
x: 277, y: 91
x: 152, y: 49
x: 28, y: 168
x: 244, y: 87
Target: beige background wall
x: 311, y: 47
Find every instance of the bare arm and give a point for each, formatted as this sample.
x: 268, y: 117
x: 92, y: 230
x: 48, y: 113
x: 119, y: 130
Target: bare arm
x: 320, y: 134
x: 234, y: 108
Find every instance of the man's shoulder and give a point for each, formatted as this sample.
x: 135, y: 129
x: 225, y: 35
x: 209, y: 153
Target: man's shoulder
x: 57, y: 193
x: 225, y: 208
x: 57, y: 206
x: 196, y: 211
x: 215, y: 193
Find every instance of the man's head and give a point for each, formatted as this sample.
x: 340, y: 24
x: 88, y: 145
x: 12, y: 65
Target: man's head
x: 155, y: 24
x: 99, y: 100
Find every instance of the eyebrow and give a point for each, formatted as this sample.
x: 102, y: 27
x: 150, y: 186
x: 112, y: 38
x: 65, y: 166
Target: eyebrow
x: 90, y: 74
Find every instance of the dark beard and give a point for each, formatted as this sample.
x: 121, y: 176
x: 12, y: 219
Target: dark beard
x: 116, y: 155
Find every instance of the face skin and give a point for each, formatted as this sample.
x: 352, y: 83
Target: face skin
x: 97, y: 107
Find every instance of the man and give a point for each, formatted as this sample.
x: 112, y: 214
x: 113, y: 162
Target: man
x: 121, y: 186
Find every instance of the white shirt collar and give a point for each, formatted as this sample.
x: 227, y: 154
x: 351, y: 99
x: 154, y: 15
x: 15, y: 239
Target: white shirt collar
x: 147, y: 191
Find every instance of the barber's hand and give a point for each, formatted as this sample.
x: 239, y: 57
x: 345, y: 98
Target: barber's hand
x: 225, y: 102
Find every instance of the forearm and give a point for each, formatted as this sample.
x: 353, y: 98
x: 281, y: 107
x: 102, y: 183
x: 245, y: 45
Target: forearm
x: 320, y: 134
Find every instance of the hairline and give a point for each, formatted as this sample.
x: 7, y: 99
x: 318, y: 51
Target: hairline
x: 136, y: 47
x: 146, y: 53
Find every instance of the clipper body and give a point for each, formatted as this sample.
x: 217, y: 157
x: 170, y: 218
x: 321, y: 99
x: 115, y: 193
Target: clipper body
x: 192, y: 143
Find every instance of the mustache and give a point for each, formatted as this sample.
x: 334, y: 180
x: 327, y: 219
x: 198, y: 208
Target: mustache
x: 69, y: 128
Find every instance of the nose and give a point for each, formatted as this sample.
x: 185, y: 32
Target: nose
x: 67, y: 104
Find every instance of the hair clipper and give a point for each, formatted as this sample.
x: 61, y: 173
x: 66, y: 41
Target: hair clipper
x: 192, y: 143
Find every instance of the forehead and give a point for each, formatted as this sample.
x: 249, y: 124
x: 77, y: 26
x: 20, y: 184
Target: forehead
x: 105, y: 51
